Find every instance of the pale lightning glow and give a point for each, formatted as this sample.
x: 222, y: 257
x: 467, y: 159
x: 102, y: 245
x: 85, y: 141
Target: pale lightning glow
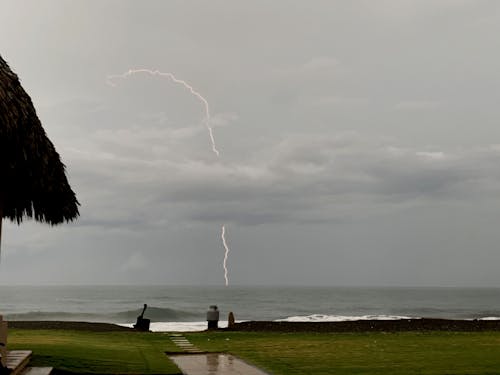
x: 110, y: 81
x: 226, y: 248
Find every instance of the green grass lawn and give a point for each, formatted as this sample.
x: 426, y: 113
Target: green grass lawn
x: 279, y: 353
x: 96, y: 352
x: 357, y: 353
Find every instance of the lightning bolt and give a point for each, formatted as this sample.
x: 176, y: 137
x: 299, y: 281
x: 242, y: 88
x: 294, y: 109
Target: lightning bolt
x: 111, y: 78
x: 226, y: 248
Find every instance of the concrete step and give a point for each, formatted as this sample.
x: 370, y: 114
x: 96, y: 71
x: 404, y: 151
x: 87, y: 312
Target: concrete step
x: 37, y: 371
x: 17, y: 360
x: 184, y: 344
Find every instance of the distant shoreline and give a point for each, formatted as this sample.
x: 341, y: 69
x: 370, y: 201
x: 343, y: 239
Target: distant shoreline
x: 401, y: 325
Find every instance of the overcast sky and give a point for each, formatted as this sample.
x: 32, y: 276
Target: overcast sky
x: 359, y: 141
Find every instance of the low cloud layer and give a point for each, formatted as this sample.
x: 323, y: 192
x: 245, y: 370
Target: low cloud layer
x: 301, y: 178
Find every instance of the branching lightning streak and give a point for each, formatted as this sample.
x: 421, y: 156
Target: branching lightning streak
x: 226, y: 254
x: 110, y: 81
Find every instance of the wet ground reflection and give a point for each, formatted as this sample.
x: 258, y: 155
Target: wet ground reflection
x: 213, y: 364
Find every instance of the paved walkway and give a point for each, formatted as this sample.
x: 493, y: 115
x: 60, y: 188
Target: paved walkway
x: 213, y: 364
x: 183, y: 343
x: 195, y: 362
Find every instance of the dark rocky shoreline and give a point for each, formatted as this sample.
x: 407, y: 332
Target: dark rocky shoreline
x: 402, y: 325
x: 371, y: 326
x: 74, y: 326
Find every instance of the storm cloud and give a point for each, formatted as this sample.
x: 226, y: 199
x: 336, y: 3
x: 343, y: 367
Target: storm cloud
x: 359, y: 141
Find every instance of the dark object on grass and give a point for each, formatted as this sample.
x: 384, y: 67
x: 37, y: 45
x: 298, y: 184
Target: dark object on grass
x: 33, y: 181
x: 142, y: 324
x: 213, y: 317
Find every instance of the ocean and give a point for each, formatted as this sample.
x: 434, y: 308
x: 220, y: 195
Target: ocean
x: 183, y: 308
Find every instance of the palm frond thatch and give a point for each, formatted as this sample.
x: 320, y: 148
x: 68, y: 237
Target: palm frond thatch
x: 33, y: 181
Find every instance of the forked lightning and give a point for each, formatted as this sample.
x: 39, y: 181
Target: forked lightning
x: 111, y: 79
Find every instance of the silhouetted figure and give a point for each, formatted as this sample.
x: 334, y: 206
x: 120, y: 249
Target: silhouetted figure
x: 230, y: 320
x: 213, y: 317
x: 142, y: 324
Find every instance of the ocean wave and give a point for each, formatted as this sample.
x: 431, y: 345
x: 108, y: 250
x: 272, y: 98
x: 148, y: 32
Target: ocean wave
x: 52, y: 315
x: 350, y: 318
x: 128, y: 316
x: 340, y: 318
x: 158, y: 314
x: 490, y: 318
x: 179, y: 326
x: 198, y: 326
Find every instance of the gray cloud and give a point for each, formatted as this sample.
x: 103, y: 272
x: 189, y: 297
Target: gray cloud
x: 295, y: 180
x: 359, y: 140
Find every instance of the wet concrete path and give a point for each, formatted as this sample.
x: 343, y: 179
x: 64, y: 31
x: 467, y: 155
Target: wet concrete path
x: 213, y: 364
x: 183, y: 343
x: 195, y: 362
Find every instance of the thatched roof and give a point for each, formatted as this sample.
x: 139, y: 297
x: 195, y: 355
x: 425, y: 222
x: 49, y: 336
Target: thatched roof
x: 33, y: 181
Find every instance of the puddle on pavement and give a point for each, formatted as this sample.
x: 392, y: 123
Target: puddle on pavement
x: 213, y: 364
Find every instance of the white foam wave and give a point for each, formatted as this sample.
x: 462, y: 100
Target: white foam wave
x: 490, y: 318
x: 178, y: 326
x: 202, y: 326
x: 340, y: 318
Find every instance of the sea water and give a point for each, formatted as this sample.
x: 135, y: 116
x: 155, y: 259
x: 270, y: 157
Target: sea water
x: 183, y: 308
